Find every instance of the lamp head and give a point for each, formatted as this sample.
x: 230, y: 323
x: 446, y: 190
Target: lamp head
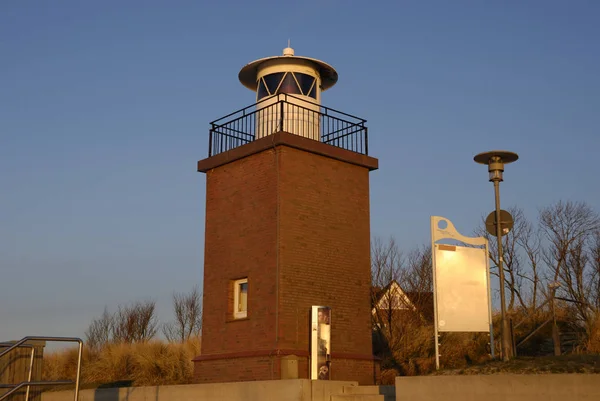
x: 495, y: 160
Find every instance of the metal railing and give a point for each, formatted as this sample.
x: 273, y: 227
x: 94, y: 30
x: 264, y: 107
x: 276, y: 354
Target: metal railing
x: 22, y: 344
x: 31, y: 360
x: 288, y: 113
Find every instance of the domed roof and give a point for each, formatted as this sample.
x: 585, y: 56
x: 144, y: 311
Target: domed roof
x: 249, y: 72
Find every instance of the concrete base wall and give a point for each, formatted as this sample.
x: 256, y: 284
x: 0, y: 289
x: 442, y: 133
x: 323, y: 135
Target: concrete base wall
x: 281, y: 390
x: 547, y: 387
x: 363, y: 371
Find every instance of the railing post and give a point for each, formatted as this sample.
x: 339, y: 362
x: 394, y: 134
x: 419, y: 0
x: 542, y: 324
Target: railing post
x: 366, y: 140
x: 280, y: 115
x: 210, y: 140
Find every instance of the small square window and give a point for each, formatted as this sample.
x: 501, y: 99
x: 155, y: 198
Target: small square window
x: 240, y: 298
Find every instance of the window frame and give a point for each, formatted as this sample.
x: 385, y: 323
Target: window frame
x: 300, y: 76
x: 289, y: 82
x: 237, y: 286
x: 261, y: 89
x: 270, y: 80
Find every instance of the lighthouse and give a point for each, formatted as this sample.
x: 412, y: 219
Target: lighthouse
x: 287, y: 278
x: 296, y: 80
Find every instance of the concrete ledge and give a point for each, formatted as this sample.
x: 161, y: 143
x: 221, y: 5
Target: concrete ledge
x: 250, y: 354
x: 547, y: 387
x: 293, y: 141
x: 281, y: 390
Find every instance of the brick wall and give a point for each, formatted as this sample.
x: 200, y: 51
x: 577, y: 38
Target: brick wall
x: 240, y: 241
x: 324, y: 248
x: 250, y: 368
x: 363, y: 371
x: 236, y: 369
x: 296, y: 223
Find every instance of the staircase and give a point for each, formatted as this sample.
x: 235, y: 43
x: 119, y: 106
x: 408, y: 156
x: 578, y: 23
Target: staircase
x: 569, y: 341
x: 15, y: 368
x: 366, y: 393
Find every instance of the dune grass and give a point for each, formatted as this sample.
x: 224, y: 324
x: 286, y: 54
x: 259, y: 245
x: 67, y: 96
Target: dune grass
x: 139, y: 364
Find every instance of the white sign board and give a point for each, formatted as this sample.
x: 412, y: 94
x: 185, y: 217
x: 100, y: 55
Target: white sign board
x: 461, y: 285
x: 461, y: 289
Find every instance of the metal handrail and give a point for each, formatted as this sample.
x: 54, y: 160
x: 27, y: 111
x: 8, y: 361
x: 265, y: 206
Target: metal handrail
x: 523, y: 341
x: 282, y: 97
x: 29, y: 383
x: 285, y: 96
x: 526, y: 318
x: 336, y: 128
x: 323, y: 107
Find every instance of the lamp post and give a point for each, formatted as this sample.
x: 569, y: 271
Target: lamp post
x: 495, y: 160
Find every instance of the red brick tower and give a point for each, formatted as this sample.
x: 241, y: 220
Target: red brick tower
x: 287, y: 227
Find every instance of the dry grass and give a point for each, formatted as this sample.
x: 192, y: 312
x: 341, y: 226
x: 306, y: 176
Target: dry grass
x: 593, y: 341
x: 141, y: 364
x: 412, y: 352
x: 533, y: 365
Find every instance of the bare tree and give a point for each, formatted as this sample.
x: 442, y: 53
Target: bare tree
x: 531, y: 244
x: 595, y: 271
x: 386, y: 266
x: 98, y: 333
x: 563, y: 224
x: 188, y: 316
x: 417, y: 274
x: 579, y: 279
x: 570, y: 229
x: 386, y: 262
x: 402, y: 297
x: 136, y: 322
x: 521, y: 277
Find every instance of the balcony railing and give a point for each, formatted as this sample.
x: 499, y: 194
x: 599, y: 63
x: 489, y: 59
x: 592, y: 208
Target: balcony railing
x: 291, y: 114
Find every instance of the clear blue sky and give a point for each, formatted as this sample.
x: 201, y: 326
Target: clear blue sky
x: 104, y: 111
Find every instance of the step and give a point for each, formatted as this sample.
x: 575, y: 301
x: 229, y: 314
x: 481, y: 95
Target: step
x: 357, y: 397
x: 377, y: 390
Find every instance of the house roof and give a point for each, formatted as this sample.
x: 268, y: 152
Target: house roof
x: 421, y: 301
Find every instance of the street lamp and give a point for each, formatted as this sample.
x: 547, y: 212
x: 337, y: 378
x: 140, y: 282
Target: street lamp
x: 495, y: 160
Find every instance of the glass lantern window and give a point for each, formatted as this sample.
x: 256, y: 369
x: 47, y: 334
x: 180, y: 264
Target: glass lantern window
x: 272, y: 81
x: 289, y: 85
x: 306, y: 83
x: 287, y: 82
x: 262, y: 90
x: 313, y: 91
